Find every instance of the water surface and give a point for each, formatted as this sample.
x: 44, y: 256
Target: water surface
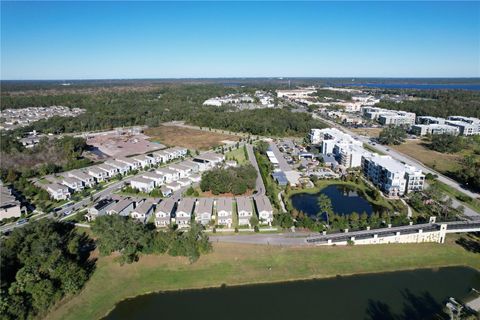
x: 345, y: 200
x: 417, y: 294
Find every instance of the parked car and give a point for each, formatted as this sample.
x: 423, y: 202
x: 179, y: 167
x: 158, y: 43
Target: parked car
x: 22, y: 221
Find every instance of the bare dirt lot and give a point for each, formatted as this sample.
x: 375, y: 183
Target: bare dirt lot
x: 369, y: 132
x: 122, y: 144
x: 188, y: 138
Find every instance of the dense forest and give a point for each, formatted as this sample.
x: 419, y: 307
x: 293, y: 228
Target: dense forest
x: 40, y: 264
x: 437, y: 103
x: 107, y: 110
x: 231, y: 180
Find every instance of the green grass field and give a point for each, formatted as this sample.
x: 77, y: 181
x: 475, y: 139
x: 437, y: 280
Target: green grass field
x: 237, y: 154
x: 235, y: 264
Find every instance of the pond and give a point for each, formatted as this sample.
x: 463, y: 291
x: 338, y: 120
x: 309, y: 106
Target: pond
x: 416, y: 294
x: 345, y: 200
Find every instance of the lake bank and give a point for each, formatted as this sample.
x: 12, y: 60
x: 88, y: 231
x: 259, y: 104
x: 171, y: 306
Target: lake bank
x: 424, y: 291
x: 234, y: 264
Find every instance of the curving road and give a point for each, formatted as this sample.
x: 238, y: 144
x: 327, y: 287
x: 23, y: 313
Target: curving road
x: 259, y: 183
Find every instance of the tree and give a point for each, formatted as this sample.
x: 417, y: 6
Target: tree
x: 446, y: 143
x: 392, y: 135
x: 325, y: 205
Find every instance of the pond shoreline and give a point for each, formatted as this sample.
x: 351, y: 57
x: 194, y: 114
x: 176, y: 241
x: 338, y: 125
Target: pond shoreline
x: 291, y: 280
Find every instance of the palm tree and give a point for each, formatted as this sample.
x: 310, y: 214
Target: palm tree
x: 325, y: 205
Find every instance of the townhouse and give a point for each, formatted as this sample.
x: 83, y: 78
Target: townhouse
x: 158, y: 179
x: 174, y: 186
x: 145, y: 161
x: 130, y: 162
x: 100, y: 208
x: 96, y: 172
x: 142, y: 184
x: 224, y: 211
x: 161, y: 157
x: 10, y: 206
x: 244, y: 211
x: 164, y: 213
x: 185, y: 182
x: 123, y: 207
x: 208, y: 160
x: 57, y: 191
x: 169, y: 174
x: 264, y: 209
x: 87, y: 180
x: 121, y: 167
x: 203, y: 210
x: 183, y: 215
x: 111, y: 171
x: 73, y: 184
x: 182, y: 170
x: 143, y: 211
x: 193, y: 166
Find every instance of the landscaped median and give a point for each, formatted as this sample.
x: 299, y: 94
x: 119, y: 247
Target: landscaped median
x: 237, y: 264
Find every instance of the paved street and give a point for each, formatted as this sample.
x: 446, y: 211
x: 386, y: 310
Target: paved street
x: 282, y: 163
x: 259, y: 183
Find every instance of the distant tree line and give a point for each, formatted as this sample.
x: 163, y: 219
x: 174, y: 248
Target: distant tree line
x: 437, y: 103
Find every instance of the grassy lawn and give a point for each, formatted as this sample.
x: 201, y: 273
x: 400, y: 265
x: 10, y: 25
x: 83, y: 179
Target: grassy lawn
x: 236, y: 264
x: 188, y: 138
x: 369, y: 132
x: 372, y: 149
x: 472, y: 203
x: 237, y: 154
x: 442, y: 162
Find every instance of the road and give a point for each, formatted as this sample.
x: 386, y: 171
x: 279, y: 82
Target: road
x: 282, y: 163
x: 259, y: 183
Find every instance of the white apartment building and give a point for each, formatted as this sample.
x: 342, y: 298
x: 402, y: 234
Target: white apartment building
x: 424, y: 129
x: 467, y: 126
x: 389, y: 117
x: 430, y: 120
x: 392, y: 177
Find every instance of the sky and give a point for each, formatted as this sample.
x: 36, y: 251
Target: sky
x: 118, y: 40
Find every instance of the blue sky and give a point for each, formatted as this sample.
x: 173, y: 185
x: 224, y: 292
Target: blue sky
x: 98, y: 40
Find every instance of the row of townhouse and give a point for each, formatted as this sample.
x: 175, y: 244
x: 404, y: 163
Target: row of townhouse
x: 204, y: 210
x: 138, y: 209
x: 455, y: 125
x: 177, y: 175
x: 77, y: 180
x: 389, y: 175
x: 10, y: 206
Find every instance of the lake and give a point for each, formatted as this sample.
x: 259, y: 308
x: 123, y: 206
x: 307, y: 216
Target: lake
x: 419, y: 86
x: 344, y: 199
x: 417, y: 294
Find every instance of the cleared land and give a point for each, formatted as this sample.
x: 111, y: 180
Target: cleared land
x: 236, y: 264
x: 188, y: 138
x: 369, y: 132
x: 442, y: 162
